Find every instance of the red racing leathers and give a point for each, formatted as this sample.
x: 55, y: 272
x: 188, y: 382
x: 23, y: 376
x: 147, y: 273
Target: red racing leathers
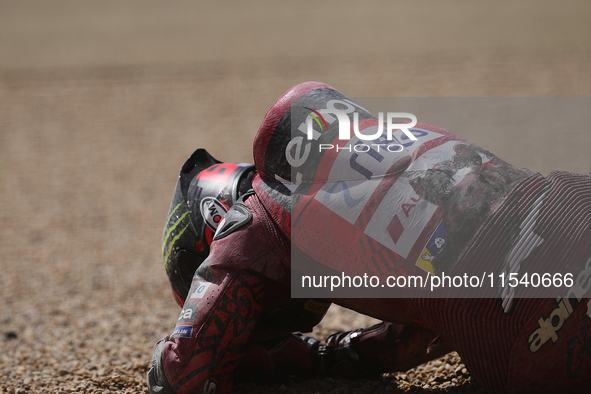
x: 440, y: 205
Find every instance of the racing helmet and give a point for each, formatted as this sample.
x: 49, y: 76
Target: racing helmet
x: 205, y: 191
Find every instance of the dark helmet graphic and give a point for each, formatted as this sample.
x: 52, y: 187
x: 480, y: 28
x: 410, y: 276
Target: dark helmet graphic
x: 205, y: 190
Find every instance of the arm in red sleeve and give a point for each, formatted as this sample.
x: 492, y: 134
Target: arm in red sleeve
x: 210, y: 336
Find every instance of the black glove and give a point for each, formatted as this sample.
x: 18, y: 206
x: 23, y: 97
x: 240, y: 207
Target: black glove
x: 341, y: 356
x: 369, y: 352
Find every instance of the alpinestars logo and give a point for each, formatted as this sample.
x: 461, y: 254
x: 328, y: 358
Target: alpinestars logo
x: 551, y: 325
x: 209, y: 387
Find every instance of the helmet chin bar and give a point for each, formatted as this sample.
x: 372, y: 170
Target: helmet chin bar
x: 182, y: 267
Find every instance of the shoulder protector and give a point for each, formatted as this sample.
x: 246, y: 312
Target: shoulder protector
x: 235, y: 218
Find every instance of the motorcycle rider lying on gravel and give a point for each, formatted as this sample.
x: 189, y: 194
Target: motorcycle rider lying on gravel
x: 435, y: 204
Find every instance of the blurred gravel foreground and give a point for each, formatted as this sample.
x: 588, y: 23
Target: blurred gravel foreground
x: 101, y: 103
